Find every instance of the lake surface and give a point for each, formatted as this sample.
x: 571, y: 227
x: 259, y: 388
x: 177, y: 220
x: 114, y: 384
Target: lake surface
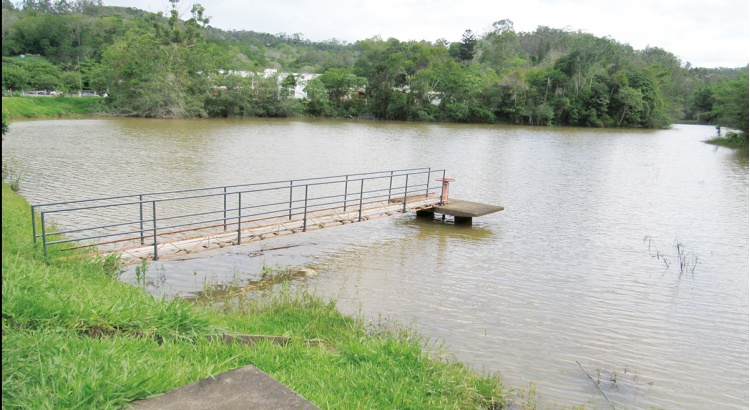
x: 583, y: 265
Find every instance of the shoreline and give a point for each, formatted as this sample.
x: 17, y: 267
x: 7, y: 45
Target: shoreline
x: 112, y: 338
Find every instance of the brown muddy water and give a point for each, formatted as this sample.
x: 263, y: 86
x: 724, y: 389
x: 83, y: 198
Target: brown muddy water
x: 582, y: 266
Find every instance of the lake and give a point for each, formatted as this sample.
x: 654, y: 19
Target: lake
x: 623, y: 250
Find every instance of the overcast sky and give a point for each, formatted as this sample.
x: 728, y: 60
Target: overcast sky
x: 706, y: 33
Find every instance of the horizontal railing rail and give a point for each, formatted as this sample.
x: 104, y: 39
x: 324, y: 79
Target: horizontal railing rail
x: 131, y: 223
x: 180, y: 191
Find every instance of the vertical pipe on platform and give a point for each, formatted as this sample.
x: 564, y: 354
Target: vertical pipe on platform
x: 291, y: 188
x: 406, y: 189
x: 361, y: 194
x: 442, y: 191
x: 346, y: 191
x: 140, y: 213
x: 304, y: 218
x: 239, y: 218
x: 225, y: 208
x: 153, y: 211
x: 33, y: 223
x: 44, y: 238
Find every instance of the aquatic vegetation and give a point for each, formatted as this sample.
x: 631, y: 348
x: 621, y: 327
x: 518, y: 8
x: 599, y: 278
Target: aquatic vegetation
x: 685, y: 260
x: 12, y: 175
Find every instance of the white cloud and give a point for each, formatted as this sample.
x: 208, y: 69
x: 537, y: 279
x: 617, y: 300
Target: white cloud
x: 708, y: 33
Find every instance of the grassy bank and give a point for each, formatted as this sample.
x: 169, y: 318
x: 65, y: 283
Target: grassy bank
x: 734, y: 140
x: 41, y: 107
x: 76, y: 337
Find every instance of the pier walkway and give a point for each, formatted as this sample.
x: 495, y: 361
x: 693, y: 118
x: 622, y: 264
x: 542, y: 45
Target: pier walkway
x: 171, y: 223
x: 164, y: 224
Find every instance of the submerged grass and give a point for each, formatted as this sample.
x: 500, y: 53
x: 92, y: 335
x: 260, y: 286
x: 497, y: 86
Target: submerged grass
x: 354, y: 366
x: 75, y: 337
x: 12, y: 175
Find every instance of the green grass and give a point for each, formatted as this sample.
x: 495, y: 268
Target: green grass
x: 732, y: 140
x: 76, y: 337
x: 40, y: 107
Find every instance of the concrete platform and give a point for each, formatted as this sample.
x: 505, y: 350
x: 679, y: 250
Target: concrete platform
x: 462, y: 211
x: 243, y: 388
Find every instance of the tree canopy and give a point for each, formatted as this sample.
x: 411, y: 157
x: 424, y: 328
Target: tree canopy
x: 159, y: 65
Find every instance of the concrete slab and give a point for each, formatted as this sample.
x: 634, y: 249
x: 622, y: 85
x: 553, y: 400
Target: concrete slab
x: 243, y: 388
x: 465, y: 209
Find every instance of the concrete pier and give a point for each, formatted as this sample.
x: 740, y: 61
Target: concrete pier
x: 462, y: 211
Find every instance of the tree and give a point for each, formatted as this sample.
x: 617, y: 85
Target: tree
x: 31, y: 73
x: 731, y: 107
x: 653, y: 114
x: 464, y: 51
x: 15, y: 76
x: 317, y: 98
x: 701, y: 105
x: 501, y: 49
x: 231, y: 96
x: 631, y: 103
x: 666, y: 70
x: 266, y: 98
x: 162, y: 72
x: 288, y: 84
x: 343, y: 89
x: 387, y: 69
x: 513, y: 90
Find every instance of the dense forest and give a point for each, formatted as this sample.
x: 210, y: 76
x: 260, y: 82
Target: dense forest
x: 172, y: 66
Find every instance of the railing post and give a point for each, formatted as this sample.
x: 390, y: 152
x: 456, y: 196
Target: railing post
x: 427, y: 187
x: 140, y: 212
x: 239, y: 218
x: 346, y: 191
x: 44, y: 238
x: 361, y: 194
x: 304, y: 217
x: 156, y: 249
x: 33, y: 223
x: 390, y: 185
x: 291, y: 188
x: 225, y: 208
x: 406, y: 190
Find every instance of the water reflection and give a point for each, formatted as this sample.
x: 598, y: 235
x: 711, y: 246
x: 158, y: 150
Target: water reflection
x: 435, y: 226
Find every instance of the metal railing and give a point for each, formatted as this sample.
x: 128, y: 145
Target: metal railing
x: 149, y: 220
